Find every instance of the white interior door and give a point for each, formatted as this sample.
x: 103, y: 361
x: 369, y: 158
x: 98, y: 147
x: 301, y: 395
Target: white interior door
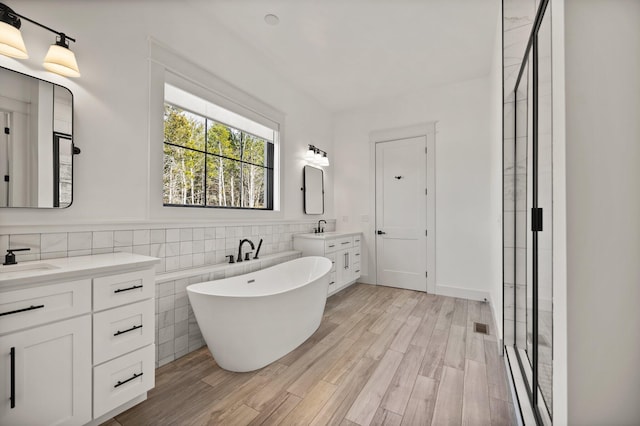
x: 401, y: 213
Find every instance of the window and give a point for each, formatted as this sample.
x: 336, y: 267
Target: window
x: 214, y: 157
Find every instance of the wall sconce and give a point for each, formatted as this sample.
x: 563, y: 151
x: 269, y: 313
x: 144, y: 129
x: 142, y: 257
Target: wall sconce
x: 59, y: 59
x: 316, y: 156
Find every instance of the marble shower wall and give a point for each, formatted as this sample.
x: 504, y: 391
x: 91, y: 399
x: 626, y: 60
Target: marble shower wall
x: 518, y: 17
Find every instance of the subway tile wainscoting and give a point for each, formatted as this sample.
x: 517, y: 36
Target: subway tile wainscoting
x: 188, y: 255
x: 177, y: 245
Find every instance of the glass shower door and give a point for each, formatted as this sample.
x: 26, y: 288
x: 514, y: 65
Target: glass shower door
x: 545, y: 202
x: 533, y: 260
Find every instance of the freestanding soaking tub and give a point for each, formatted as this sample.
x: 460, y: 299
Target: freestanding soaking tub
x: 251, y: 320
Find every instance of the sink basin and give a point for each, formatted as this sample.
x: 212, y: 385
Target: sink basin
x: 25, y: 268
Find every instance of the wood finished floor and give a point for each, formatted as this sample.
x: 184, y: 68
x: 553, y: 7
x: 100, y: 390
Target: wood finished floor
x: 382, y: 356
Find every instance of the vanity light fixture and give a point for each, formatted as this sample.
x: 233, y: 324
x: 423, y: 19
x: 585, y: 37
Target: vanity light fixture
x: 311, y: 154
x: 316, y: 156
x: 59, y: 59
x: 11, y: 42
x: 324, y: 161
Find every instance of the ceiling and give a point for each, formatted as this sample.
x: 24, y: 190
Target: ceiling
x: 348, y: 53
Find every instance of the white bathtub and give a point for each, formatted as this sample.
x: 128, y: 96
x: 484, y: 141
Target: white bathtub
x: 251, y: 320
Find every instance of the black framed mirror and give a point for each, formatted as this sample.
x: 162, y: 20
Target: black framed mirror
x: 313, y: 187
x: 36, y: 142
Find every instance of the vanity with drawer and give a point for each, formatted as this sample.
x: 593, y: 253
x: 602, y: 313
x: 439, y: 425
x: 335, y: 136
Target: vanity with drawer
x: 76, y: 338
x: 344, y: 251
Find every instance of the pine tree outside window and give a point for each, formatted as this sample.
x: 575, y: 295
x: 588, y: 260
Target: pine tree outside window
x: 214, y: 157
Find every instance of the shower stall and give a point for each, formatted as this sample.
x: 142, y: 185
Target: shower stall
x: 528, y: 222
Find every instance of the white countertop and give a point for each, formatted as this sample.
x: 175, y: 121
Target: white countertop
x: 326, y: 235
x: 39, y: 271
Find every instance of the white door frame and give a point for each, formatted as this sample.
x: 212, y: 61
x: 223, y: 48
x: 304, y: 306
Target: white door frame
x: 429, y: 131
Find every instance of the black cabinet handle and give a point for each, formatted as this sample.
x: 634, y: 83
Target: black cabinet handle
x: 30, y: 308
x: 346, y: 242
x: 135, y: 376
x: 120, y: 290
x: 357, y: 254
x: 358, y: 271
x: 381, y: 232
x: 332, y: 282
x: 332, y: 246
x: 135, y: 327
x: 12, y: 398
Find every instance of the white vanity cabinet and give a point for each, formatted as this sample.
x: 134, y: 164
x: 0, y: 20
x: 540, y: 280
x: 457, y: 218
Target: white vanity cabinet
x: 45, y: 373
x: 344, y: 251
x: 76, y: 338
x: 123, y: 338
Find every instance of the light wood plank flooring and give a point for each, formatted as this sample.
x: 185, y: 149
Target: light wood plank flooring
x: 382, y: 356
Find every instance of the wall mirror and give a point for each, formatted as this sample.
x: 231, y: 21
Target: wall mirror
x: 313, y: 190
x: 36, y: 142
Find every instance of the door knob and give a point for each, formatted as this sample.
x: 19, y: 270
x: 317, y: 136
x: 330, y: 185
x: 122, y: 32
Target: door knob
x: 381, y: 232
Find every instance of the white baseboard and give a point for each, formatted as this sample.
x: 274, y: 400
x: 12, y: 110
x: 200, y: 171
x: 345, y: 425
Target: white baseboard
x: 366, y: 279
x: 463, y: 293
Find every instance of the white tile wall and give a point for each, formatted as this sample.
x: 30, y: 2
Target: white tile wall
x: 178, y: 248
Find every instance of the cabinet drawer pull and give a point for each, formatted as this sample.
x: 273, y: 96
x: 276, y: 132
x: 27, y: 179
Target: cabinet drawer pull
x: 120, y: 290
x: 135, y: 327
x: 12, y: 398
x: 332, y: 282
x: 30, y: 308
x: 332, y: 245
x: 346, y: 242
x: 357, y: 254
x: 135, y: 376
x: 358, y: 271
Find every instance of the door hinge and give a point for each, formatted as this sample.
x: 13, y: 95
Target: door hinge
x: 425, y: 191
x: 7, y: 131
x: 425, y: 150
x: 6, y: 178
x: 536, y: 219
x: 426, y: 232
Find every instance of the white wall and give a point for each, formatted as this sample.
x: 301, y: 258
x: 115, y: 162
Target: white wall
x: 111, y: 101
x: 466, y: 211
x: 602, y: 45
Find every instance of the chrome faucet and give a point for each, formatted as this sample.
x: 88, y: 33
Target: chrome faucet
x: 239, y: 259
x: 319, y: 230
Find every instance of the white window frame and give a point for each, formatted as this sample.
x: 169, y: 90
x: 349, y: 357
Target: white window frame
x: 166, y: 66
